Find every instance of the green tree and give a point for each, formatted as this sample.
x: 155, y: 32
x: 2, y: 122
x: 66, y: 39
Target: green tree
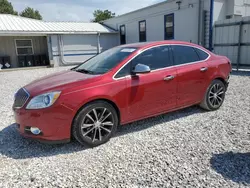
x: 100, y: 15
x: 6, y: 7
x: 31, y: 13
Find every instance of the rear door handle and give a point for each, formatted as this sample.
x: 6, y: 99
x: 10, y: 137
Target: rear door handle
x: 170, y: 77
x: 203, y: 69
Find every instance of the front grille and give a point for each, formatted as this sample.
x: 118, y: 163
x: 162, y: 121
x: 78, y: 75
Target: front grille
x: 21, y: 98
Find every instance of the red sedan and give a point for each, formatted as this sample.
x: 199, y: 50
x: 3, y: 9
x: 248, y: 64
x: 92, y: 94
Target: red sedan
x: 121, y: 85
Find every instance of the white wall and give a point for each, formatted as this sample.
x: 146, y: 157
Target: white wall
x: 237, y: 8
x: 186, y: 21
x: 108, y: 41
x: 223, y: 8
x: 242, y: 7
x: 220, y: 9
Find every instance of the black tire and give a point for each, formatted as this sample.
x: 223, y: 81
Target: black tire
x: 87, y: 116
x: 214, y: 96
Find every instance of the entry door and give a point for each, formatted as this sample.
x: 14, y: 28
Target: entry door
x: 153, y: 92
x: 192, y: 75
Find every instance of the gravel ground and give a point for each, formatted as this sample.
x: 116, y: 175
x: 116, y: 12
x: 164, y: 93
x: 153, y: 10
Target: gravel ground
x: 187, y: 148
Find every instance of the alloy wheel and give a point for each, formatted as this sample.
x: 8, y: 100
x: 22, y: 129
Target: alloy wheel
x: 97, y: 124
x: 216, y: 95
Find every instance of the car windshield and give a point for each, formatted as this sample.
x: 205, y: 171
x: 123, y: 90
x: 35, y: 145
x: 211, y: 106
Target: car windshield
x: 105, y: 61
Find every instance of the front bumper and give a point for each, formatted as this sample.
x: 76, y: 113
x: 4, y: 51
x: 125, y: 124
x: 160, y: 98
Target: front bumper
x: 54, y: 123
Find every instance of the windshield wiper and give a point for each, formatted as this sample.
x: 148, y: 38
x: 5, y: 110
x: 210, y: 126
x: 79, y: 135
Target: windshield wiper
x: 84, y: 71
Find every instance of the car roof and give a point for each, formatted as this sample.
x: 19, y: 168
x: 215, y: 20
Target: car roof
x: 155, y: 43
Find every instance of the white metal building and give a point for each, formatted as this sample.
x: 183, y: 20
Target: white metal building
x: 28, y: 42
x: 187, y: 20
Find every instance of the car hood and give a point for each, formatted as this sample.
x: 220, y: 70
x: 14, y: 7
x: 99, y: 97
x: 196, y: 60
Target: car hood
x: 57, y: 81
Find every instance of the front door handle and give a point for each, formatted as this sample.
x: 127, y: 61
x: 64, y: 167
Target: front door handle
x: 203, y: 69
x: 170, y: 77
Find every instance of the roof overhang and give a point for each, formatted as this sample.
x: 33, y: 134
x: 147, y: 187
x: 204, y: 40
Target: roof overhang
x: 16, y: 25
x: 6, y: 33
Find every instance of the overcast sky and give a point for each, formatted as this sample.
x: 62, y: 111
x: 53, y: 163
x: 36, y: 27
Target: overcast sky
x: 79, y: 10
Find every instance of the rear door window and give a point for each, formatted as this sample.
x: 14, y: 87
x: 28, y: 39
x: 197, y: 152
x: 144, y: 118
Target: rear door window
x: 202, y: 55
x: 184, y: 54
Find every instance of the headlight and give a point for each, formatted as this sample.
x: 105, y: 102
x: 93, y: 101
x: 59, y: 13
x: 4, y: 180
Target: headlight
x: 43, y: 101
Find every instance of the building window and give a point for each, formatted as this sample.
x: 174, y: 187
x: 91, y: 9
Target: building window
x: 229, y: 17
x: 142, y: 31
x: 123, y: 34
x: 169, y: 26
x: 24, y: 47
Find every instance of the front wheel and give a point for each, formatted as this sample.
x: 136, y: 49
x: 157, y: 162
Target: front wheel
x: 215, y: 96
x: 95, y: 124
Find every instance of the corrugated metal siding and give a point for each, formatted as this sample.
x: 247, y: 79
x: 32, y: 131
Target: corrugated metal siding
x: 245, y: 37
x: 39, y: 45
x: 17, y: 24
x: 230, y: 35
x: 8, y: 46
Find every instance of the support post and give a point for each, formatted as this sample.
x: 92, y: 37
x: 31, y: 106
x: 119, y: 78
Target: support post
x: 98, y: 43
x: 49, y: 49
x: 199, y: 23
x: 211, y: 25
x: 239, y: 46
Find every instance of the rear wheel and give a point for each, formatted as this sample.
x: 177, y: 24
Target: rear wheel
x: 95, y: 124
x: 215, y: 96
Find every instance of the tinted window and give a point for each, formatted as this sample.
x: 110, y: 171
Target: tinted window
x: 105, y: 61
x: 142, y: 31
x: 155, y: 58
x: 124, y: 71
x: 122, y: 34
x: 202, y: 55
x: 184, y: 54
x: 169, y: 26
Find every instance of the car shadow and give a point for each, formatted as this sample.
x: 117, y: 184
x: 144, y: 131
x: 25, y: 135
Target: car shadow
x: 233, y: 166
x: 164, y: 118
x: 13, y: 145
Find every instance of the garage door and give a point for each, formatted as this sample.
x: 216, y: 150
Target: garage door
x: 78, y: 48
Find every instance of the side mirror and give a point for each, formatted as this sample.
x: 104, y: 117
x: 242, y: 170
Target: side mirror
x: 141, y: 69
